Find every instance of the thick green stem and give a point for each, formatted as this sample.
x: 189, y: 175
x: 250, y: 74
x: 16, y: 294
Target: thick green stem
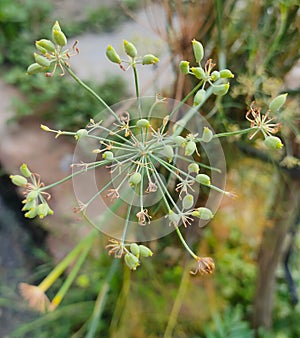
x: 68, y: 282
x: 61, y: 267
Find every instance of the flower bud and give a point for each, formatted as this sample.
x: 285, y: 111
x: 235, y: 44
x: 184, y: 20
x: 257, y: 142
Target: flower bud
x: 29, y: 205
x: 31, y: 213
x: 145, y: 251
x: 59, y: 38
x: 221, y: 89
x: 277, y: 102
x: 198, y: 50
x: 112, y: 55
x: 199, y: 97
x: 24, y: 170
x: 108, y: 155
x: 45, y: 128
x: 215, y: 75
x: 198, y: 72
x: 131, y: 261
x: 273, y: 142
x: 32, y: 195
x: 35, y: 68
x: 42, y: 210
x: 41, y: 60
x: 203, y: 213
x: 174, y: 218
x: 184, y: 67
x: 150, y: 59
x: 135, y: 249
x: 203, y: 179
x: 188, y: 201
x: 180, y: 141
x: 130, y: 49
x: 226, y: 74
x: 168, y: 152
x: 143, y: 123
x: 80, y: 133
x: 56, y: 26
x: 193, y: 168
x: 207, y: 135
x: 18, y: 180
x: 45, y: 44
x: 190, y: 148
x: 135, y: 179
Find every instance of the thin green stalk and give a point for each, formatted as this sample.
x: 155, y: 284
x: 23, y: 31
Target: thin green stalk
x: 127, y: 219
x: 101, y: 300
x: 99, y: 164
x: 137, y: 92
x: 90, y: 90
x: 232, y: 133
x: 192, y: 92
x: 185, y: 244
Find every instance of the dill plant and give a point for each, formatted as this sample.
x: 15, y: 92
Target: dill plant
x: 150, y: 150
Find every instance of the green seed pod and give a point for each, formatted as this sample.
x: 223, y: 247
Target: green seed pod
x: 108, y: 155
x: 150, y: 59
x: 59, y: 38
x: 32, y: 195
x: 131, y: 261
x: 45, y: 44
x: 143, y: 123
x: 203, y: 179
x: 198, y: 50
x: 277, y: 102
x: 80, y: 133
x: 273, y: 142
x: 29, y: 205
x: 18, y: 180
x: 56, y: 26
x: 184, y: 67
x: 112, y: 55
x: 31, y: 213
x: 190, y: 148
x: 42, y: 210
x: 203, y: 213
x: 221, y: 89
x: 174, y: 218
x: 35, y: 68
x: 41, y: 49
x: 168, y: 152
x: 130, y: 49
x: 193, y: 168
x: 198, y: 72
x: 207, y: 135
x: 24, y: 170
x: 199, y: 97
x: 180, y: 141
x: 226, y: 74
x: 135, y: 249
x: 215, y: 75
x: 188, y: 201
x: 41, y: 60
x: 145, y: 251
x: 135, y: 179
